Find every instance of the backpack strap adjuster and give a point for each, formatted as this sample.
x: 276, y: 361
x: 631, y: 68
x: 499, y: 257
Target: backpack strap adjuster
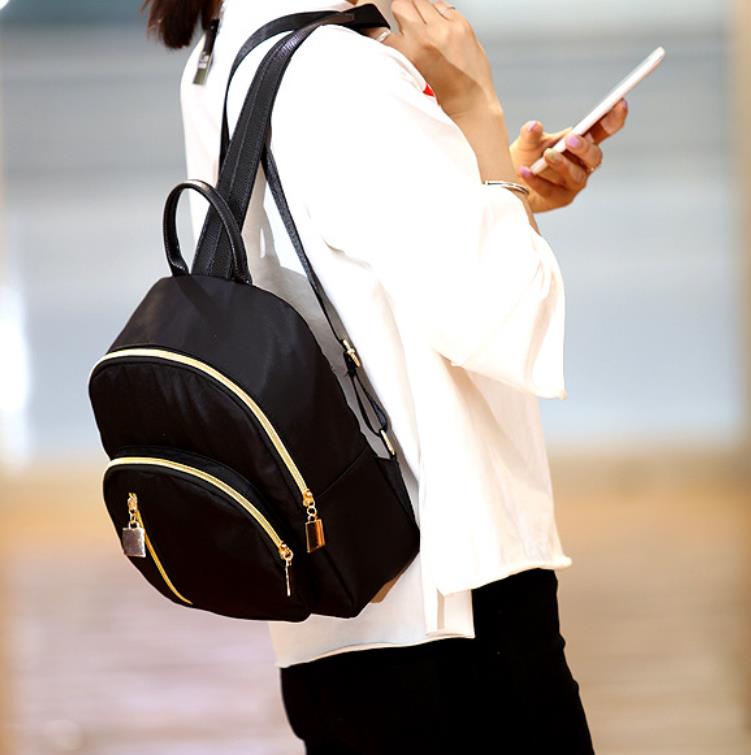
x: 351, y: 354
x: 387, y: 442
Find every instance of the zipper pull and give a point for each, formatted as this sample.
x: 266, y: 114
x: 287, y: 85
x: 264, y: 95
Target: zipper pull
x: 204, y: 60
x: 133, y: 537
x: 314, y: 536
x: 286, y: 553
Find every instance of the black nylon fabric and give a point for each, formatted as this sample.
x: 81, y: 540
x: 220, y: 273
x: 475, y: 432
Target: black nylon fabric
x: 181, y: 409
x: 247, y: 334
x: 214, y: 552
x: 263, y: 345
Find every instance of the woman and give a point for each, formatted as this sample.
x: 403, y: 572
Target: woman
x: 456, y: 304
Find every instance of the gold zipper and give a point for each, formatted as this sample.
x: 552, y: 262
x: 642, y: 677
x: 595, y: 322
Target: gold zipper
x: 285, y: 552
x: 314, y: 525
x: 136, y: 517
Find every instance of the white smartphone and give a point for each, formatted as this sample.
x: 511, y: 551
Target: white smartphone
x: 619, y: 91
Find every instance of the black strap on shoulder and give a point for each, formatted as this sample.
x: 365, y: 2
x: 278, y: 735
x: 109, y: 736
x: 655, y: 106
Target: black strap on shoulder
x: 240, y: 166
x: 351, y: 358
x: 250, y: 146
x: 291, y: 22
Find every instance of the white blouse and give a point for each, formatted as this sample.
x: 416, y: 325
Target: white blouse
x: 454, y: 303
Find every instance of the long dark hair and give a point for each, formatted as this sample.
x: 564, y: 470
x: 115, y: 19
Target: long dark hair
x: 175, y: 21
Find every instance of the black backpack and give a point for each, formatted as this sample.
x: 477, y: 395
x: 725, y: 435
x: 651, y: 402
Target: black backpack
x: 239, y: 481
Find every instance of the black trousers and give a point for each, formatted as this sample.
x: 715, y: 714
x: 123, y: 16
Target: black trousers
x: 508, y: 691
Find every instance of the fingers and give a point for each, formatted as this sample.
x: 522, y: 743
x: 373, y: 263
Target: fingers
x: 567, y: 173
x: 534, y: 140
x: 616, y: 118
x: 555, y: 194
x: 405, y: 14
x: 426, y: 13
x: 412, y: 16
x: 564, y: 172
x: 611, y: 123
x: 415, y: 16
x: 438, y: 11
x: 584, y: 148
x: 551, y: 139
x: 432, y: 14
x: 409, y: 23
x: 532, y: 137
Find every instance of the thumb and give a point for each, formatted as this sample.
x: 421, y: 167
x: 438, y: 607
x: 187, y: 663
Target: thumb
x: 531, y: 136
x: 549, y: 140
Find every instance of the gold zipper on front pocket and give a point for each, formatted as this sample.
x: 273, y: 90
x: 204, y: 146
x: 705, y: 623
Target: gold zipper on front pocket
x: 139, y: 531
x: 285, y: 552
x: 314, y: 525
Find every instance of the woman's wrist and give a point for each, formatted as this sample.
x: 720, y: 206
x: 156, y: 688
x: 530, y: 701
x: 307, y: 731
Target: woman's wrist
x: 484, y: 127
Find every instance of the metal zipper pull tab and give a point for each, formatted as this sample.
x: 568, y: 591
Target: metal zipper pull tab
x: 314, y: 536
x: 133, y: 536
x: 204, y: 60
x: 286, y: 553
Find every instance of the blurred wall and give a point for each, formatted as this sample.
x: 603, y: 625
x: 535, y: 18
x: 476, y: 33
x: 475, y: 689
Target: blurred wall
x: 741, y: 42
x: 650, y: 253
x: 533, y: 16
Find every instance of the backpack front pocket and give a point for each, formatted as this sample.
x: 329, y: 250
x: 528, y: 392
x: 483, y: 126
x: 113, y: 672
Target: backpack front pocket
x: 202, y: 535
x: 132, y: 365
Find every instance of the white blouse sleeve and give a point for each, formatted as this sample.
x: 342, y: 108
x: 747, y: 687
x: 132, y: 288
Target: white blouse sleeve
x: 390, y: 180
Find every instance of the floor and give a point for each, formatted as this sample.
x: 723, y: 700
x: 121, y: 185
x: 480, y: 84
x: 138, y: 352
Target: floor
x: 654, y: 610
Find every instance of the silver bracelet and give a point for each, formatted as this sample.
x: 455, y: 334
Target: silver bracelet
x: 510, y: 185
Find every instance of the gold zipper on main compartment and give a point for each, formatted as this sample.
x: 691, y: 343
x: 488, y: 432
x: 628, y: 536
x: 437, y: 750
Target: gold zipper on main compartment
x: 314, y: 526
x: 285, y: 552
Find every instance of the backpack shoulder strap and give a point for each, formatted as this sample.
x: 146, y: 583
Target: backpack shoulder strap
x: 290, y: 22
x: 351, y: 358
x: 238, y: 170
x: 250, y: 146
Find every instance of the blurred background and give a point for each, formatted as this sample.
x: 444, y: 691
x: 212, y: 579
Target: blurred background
x: 650, y: 452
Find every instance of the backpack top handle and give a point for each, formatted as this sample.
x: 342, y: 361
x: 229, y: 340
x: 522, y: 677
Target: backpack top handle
x: 240, y: 271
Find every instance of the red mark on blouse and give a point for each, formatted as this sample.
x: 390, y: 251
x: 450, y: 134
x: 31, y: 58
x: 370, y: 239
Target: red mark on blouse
x: 428, y: 90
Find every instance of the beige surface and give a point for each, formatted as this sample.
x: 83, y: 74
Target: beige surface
x: 654, y: 611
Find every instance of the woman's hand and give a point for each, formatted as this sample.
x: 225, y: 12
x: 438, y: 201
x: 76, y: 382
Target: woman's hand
x: 442, y: 45
x: 568, y: 172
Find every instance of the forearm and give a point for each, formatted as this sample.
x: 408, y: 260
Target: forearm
x: 485, y: 130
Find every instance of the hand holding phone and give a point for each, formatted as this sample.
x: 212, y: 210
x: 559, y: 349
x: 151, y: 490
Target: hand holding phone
x: 618, y: 92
